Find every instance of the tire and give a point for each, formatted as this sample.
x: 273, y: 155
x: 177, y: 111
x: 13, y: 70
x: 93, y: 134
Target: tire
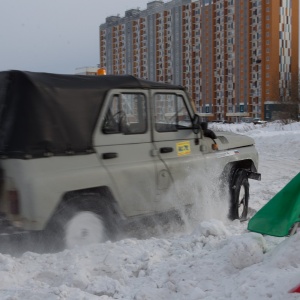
x: 84, y: 228
x: 80, y: 220
x: 239, y: 191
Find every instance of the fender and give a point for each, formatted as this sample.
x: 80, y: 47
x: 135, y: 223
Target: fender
x: 42, y: 183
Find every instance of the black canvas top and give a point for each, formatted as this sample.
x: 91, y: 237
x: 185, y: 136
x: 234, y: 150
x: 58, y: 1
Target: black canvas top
x: 50, y: 113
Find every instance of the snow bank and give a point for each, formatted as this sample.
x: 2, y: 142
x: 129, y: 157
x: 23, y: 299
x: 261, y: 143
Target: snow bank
x: 275, y: 126
x: 217, y: 259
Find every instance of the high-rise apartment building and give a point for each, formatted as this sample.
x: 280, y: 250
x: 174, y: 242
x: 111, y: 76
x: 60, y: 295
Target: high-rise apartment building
x: 235, y: 57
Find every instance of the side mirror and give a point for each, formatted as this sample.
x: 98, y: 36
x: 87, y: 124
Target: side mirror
x: 207, y: 132
x: 204, y: 125
x: 196, y: 124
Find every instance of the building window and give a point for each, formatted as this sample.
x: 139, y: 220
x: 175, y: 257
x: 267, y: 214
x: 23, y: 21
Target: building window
x: 242, y: 108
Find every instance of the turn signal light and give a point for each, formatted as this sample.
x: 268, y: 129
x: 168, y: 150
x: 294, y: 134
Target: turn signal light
x: 215, y: 146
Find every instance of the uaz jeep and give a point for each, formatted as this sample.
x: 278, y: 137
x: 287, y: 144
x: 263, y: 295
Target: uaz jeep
x: 83, y: 155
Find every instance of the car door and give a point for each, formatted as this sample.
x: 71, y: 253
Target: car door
x: 178, y: 148
x: 123, y: 144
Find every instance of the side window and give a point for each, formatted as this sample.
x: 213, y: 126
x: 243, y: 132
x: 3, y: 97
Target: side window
x: 171, y: 113
x: 127, y: 114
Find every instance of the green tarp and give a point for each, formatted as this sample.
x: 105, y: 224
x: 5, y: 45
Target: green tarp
x: 277, y: 217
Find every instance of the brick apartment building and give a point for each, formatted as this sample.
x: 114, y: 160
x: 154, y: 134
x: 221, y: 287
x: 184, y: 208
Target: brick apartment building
x: 237, y: 58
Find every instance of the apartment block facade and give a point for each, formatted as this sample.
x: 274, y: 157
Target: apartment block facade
x: 236, y: 58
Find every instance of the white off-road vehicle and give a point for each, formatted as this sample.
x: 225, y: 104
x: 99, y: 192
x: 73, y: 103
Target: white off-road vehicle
x: 82, y: 156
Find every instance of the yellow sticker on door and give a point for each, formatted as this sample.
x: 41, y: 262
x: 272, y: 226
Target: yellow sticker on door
x: 183, y: 148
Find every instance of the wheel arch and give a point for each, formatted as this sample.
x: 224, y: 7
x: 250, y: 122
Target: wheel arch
x: 231, y: 168
x: 103, y: 195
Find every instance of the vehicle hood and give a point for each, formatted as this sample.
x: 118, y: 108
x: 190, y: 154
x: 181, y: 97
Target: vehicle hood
x: 228, y: 140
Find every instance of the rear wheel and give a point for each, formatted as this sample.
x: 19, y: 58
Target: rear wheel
x: 239, y: 190
x: 81, y: 220
x: 84, y: 228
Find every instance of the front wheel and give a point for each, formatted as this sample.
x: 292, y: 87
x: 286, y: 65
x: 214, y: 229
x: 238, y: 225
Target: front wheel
x: 239, y: 191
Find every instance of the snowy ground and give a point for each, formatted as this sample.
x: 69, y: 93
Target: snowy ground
x: 215, y: 260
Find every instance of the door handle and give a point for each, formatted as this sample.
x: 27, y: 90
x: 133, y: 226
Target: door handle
x: 109, y: 155
x: 166, y: 149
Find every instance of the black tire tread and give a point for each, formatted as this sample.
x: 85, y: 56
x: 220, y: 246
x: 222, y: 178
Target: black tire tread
x: 239, y: 179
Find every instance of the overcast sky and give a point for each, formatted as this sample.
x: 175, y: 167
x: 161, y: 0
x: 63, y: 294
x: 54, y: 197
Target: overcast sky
x: 55, y: 36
